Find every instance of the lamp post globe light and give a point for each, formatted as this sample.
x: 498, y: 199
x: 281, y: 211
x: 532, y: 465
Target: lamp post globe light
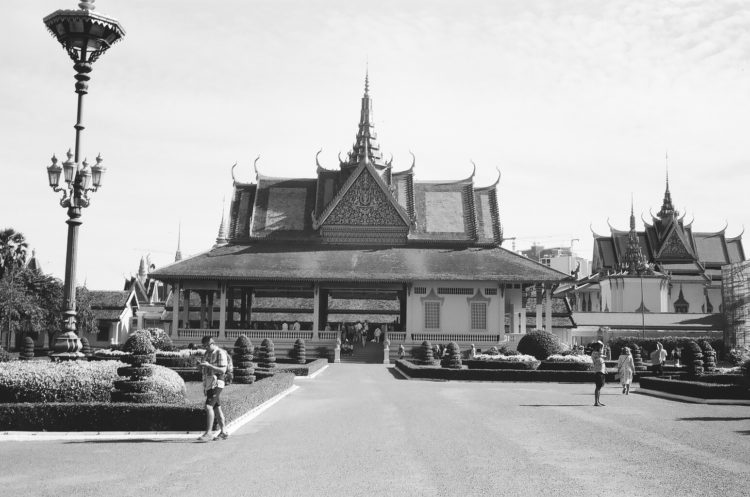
x: 85, y: 36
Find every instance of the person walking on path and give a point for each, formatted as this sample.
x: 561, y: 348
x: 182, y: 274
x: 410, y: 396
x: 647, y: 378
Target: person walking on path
x: 658, y: 359
x: 626, y: 369
x: 213, y: 367
x: 600, y: 370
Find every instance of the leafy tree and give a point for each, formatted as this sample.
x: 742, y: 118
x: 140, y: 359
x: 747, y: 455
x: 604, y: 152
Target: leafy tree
x: 85, y: 319
x: 19, y: 309
x: 13, y: 248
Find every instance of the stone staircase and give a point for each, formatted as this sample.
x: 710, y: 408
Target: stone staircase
x: 372, y: 353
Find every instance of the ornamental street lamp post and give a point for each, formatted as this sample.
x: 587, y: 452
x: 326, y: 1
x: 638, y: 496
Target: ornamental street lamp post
x: 85, y: 36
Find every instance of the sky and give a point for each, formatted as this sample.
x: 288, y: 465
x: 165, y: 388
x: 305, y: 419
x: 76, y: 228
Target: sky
x: 576, y: 102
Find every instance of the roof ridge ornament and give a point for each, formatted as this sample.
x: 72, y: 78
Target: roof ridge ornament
x: 234, y: 180
x: 255, y: 167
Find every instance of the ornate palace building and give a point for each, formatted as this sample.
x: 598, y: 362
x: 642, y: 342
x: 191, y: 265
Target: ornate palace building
x: 418, y: 259
x: 667, y: 278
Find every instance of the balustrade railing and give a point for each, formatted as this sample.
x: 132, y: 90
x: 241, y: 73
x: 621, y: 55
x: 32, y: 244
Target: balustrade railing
x: 456, y: 337
x: 196, y: 332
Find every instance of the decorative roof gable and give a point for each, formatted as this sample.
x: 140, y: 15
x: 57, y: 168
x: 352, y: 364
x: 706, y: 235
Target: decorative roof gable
x: 674, y: 246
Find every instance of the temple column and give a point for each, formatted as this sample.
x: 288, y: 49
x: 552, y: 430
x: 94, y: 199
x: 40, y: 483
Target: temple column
x: 316, y: 311
x: 539, y: 300
x: 548, y: 309
x: 323, y: 298
x: 203, y: 297
x: 210, y: 304
x: 186, y: 308
x: 402, y: 312
x: 222, y: 311
x: 175, y: 309
x: 243, y: 308
x: 230, y: 307
x: 501, y: 312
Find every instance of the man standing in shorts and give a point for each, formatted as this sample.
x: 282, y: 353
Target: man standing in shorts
x: 214, y: 367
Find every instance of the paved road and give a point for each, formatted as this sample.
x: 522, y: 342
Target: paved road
x: 359, y: 430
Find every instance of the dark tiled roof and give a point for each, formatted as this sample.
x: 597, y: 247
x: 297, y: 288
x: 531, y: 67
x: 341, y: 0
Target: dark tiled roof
x: 108, y: 314
x: 106, y: 299
x: 266, y: 261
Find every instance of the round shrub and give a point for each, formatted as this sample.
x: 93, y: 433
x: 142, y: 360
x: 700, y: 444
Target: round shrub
x: 693, y: 359
x: 426, y: 355
x: 85, y: 346
x: 160, y: 339
x: 541, y: 344
x: 493, y: 351
x: 139, y: 343
x: 298, y: 352
x: 452, y: 359
x: 709, y: 356
x: 27, y: 353
x: 243, y: 345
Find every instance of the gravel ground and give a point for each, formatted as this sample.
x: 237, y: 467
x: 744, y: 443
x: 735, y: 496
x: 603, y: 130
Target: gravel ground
x: 360, y: 430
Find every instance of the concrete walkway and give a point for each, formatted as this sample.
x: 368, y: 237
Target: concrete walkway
x: 360, y: 430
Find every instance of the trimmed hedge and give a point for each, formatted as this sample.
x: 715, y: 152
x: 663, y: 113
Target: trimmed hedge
x: 452, y: 357
x: 437, y: 373
x: 523, y: 366
x: 27, y: 353
x: 307, y: 369
x: 564, y: 366
x: 669, y: 343
x: 99, y: 416
x: 699, y: 389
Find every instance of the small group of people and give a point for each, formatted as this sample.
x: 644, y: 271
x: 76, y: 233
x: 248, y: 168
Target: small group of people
x: 625, y: 370
x: 361, y: 332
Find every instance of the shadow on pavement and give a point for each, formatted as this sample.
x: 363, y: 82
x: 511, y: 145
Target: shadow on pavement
x: 554, y: 405
x: 743, y: 432
x: 396, y: 374
x: 135, y: 441
x: 710, y: 418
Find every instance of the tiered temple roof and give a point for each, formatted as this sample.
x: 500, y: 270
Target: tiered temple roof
x: 362, y: 221
x: 670, y: 245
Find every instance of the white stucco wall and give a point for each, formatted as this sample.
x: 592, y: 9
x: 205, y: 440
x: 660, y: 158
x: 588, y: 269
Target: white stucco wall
x: 455, y: 309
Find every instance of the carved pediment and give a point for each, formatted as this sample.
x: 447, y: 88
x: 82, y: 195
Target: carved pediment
x: 365, y: 203
x: 674, y: 247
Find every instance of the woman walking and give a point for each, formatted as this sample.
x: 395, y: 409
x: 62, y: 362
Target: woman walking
x: 600, y: 370
x: 626, y: 369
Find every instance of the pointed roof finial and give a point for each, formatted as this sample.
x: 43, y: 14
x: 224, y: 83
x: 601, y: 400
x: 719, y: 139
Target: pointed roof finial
x: 367, y: 81
x: 142, y: 272
x: 221, y: 239
x: 178, y: 254
x: 632, y: 215
x: 667, y: 208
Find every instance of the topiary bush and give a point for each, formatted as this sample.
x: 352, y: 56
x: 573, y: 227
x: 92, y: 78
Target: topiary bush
x: 452, y: 357
x: 85, y: 346
x: 426, y: 355
x: 541, y: 344
x: 135, y: 387
x: 709, y: 356
x: 298, y: 352
x: 244, y: 369
x: 27, y: 352
x: 266, y: 359
x: 693, y: 359
x: 141, y: 350
x: 635, y: 349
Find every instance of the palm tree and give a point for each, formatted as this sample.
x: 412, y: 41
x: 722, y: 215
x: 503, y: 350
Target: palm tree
x: 13, y: 248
